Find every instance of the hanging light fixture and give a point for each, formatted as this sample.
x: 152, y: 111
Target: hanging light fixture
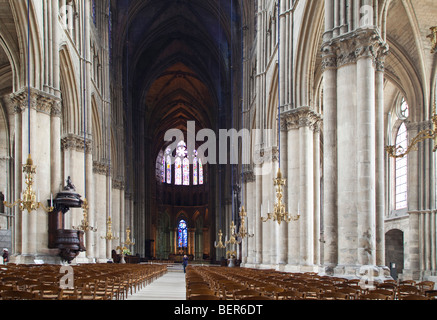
x: 28, y: 199
x: 219, y: 244
x: 128, y: 240
x: 279, y: 213
x: 242, y: 231
x: 85, y: 226
x: 109, y: 235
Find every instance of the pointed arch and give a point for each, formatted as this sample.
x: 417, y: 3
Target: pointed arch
x: 97, y: 131
x: 69, y: 94
x: 307, y: 52
x: 36, y: 72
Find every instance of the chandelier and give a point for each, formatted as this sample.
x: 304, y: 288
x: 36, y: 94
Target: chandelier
x: 220, y: 244
x: 85, y: 226
x: 242, y: 232
x: 28, y: 200
x: 109, y: 235
x: 128, y: 240
x: 279, y: 213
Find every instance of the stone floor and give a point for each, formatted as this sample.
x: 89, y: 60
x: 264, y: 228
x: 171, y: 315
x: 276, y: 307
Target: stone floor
x: 171, y: 286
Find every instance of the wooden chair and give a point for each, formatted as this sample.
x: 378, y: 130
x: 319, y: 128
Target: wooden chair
x: 414, y: 297
x: 47, y: 292
x: 354, y: 282
x: 271, y: 291
x: 334, y: 296
x: 425, y: 286
x: 312, y: 293
x: 239, y: 294
x: 11, y: 281
x: 432, y: 294
x: 387, y: 286
x: 408, y: 282
x: 256, y: 298
x: 200, y: 292
x: 204, y: 297
x: 104, y: 288
x: 389, y: 293
x: 227, y: 291
x: 290, y: 295
x: 16, y: 295
x: 26, y: 284
x: 405, y: 290
x: 374, y: 296
x: 353, y: 293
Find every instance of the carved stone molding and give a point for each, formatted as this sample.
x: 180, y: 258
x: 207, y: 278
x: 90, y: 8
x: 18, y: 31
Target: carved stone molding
x: 248, y: 174
x: 118, y: 183
x: 101, y: 168
x: 74, y: 142
x: 301, y: 117
x: 39, y: 100
x: 348, y: 48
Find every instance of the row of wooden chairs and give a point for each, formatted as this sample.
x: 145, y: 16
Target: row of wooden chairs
x: 85, y: 282
x: 244, y: 283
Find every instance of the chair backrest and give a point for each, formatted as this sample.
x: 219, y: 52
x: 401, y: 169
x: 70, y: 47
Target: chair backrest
x: 414, y: 297
x: 334, y: 296
x: 374, y: 296
x: 388, y: 293
x: 204, y: 297
x: 17, y: 295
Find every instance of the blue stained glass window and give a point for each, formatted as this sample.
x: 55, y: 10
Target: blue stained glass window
x: 182, y: 234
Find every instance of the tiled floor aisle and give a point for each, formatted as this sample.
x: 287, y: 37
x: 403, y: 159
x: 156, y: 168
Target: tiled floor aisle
x: 171, y: 286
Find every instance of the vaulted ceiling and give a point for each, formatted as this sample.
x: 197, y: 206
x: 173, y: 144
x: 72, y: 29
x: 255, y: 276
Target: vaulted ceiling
x: 177, y: 57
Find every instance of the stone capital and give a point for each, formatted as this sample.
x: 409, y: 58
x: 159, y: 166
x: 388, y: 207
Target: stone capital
x: 350, y: 47
x: 118, y: 183
x: 301, y: 117
x: 101, y: 168
x: 41, y: 101
x: 77, y: 143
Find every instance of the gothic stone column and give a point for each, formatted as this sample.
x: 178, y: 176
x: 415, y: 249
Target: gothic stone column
x: 330, y: 224
x: 32, y: 227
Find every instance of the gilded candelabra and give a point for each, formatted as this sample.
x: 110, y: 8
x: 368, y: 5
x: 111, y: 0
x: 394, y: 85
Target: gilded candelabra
x: 233, y: 239
x: 220, y: 244
x: 109, y: 235
x: 400, y: 152
x: 279, y: 214
x: 29, y: 200
x: 242, y: 232
x: 85, y: 226
x: 128, y: 240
